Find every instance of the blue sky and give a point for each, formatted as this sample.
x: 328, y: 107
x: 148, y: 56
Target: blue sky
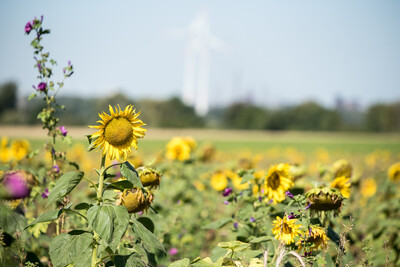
x: 281, y: 51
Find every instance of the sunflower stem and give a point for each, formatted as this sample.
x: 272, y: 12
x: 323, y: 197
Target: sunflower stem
x: 94, y: 253
x: 101, y: 180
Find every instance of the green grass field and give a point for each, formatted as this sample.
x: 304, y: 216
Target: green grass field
x: 257, y: 141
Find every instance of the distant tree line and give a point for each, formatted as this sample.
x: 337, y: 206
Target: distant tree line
x: 172, y: 113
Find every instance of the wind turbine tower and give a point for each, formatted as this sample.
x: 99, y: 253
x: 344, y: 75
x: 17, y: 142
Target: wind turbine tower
x: 196, y: 72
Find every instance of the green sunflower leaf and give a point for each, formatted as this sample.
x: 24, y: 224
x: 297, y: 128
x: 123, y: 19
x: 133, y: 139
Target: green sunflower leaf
x: 217, y: 224
x: 130, y: 174
x: 110, y: 222
x: 47, y: 217
x: 131, y: 260
x: 148, y: 238
x: 65, y: 248
x: 64, y: 185
x: 180, y: 263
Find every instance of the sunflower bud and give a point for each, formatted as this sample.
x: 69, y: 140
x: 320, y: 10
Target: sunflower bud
x: 135, y: 200
x: 342, y: 168
x: 325, y: 199
x: 150, y: 178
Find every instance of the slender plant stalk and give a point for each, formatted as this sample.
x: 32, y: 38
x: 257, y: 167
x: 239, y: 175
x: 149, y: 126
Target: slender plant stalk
x: 94, y: 253
x: 99, y: 200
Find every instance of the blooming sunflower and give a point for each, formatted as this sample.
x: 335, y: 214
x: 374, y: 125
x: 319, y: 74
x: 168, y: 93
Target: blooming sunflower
x: 178, y: 148
x: 219, y: 181
x: 313, y: 239
x: 368, y: 187
x: 285, y: 230
x: 343, y: 184
x: 394, y: 172
x: 118, y: 132
x: 277, y: 182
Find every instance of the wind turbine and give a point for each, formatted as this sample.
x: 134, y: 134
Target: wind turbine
x: 196, y: 68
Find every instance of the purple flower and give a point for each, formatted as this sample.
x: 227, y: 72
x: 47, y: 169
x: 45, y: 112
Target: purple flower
x: 118, y: 175
x: 306, y: 208
x: 16, y: 185
x: 173, y: 251
x: 226, y: 202
x: 46, y: 193
x: 270, y: 201
x: 260, y: 198
x: 291, y: 216
x: 69, y: 63
x: 289, y: 194
x: 227, y: 192
x: 63, y: 130
x: 236, y: 225
x: 28, y: 27
x: 309, y: 231
x: 252, y: 219
x: 306, y: 254
x: 39, y: 66
x: 42, y: 86
x: 56, y: 168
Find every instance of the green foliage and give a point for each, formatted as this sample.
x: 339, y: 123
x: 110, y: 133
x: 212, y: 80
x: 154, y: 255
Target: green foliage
x: 383, y: 118
x: 149, y: 239
x: 64, y: 185
x: 66, y: 248
x: 8, y: 96
x: 110, y: 222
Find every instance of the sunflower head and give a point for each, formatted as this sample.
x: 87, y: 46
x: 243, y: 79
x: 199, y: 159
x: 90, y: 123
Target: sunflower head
x: 277, y: 182
x: 394, y: 172
x: 368, y: 187
x: 313, y: 239
x: 343, y: 184
x: 19, y: 149
x: 135, y: 200
x: 285, y: 229
x: 219, y: 181
x: 118, y: 132
x: 342, y: 167
x: 179, y: 148
x: 150, y: 177
x: 325, y: 199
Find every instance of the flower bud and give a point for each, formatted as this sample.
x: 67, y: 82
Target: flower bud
x: 150, y: 178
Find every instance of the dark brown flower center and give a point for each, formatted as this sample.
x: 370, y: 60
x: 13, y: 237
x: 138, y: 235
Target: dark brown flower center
x: 274, y: 181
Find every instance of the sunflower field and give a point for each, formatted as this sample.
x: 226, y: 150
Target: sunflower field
x: 192, y: 198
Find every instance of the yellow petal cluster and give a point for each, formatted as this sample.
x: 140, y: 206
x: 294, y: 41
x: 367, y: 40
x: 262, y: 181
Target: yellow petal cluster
x: 285, y: 230
x: 277, y: 182
x: 118, y: 132
x: 180, y: 148
x: 343, y: 184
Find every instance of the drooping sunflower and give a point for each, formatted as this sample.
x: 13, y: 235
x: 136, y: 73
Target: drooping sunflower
x: 285, y: 229
x: 343, y: 184
x: 118, y: 132
x: 277, y: 182
x: 312, y: 240
x: 394, y: 172
x: 342, y: 167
